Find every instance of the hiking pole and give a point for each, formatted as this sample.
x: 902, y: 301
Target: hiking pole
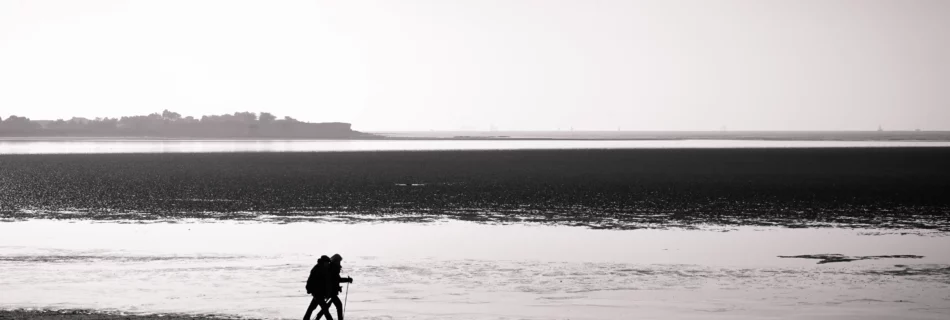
x: 346, y: 295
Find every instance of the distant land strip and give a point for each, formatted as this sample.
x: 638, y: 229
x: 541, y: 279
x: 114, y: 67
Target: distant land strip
x: 248, y: 125
x: 170, y: 124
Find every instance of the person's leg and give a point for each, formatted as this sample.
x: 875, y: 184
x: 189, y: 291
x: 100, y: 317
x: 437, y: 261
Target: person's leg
x: 324, y: 309
x: 313, y: 305
x: 339, y: 306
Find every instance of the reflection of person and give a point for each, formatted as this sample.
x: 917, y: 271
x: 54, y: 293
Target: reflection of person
x: 317, y: 285
x: 333, y: 284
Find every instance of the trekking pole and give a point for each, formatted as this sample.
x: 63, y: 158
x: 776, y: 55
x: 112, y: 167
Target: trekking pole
x: 346, y: 295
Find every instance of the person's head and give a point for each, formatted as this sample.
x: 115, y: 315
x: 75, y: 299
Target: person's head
x: 323, y: 260
x: 336, y: 258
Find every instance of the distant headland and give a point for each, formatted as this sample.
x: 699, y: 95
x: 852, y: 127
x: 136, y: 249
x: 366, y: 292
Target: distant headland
x: 170, y: 124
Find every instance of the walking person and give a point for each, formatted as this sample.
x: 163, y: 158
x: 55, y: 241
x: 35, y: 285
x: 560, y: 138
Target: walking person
x: 334, y: 280
x: 317, y: 284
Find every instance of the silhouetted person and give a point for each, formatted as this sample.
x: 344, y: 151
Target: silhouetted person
x: 317, y: 285
x: 334, y: 288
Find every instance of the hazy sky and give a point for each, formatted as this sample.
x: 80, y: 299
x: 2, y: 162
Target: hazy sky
x: 448, y: 65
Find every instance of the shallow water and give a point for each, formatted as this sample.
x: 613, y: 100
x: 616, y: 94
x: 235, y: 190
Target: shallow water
x: 179, y: 146
x: 463, y: 270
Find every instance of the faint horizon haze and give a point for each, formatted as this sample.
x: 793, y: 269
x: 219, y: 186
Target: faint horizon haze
x: 517, y: 65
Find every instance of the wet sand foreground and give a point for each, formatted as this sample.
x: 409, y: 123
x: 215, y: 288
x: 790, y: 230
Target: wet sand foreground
x: 902, y: 188
x: 94, y: 315
x: 464, y: 270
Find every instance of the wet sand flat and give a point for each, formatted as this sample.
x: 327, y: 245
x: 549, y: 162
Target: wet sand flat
x: 902, y: 188
x: 93, y: 315
x: 454, y: 270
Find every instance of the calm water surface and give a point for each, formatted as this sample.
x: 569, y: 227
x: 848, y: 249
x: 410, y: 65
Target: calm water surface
x: 179, y: 146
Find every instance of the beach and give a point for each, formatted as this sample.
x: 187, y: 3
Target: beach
x: 746, y: 233
x: 454, y: 270
x: 474, y: 160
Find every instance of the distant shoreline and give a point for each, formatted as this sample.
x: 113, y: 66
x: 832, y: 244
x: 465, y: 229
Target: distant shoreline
x: 671, y: 135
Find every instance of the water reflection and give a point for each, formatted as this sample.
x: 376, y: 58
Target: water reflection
x: 191, y: 146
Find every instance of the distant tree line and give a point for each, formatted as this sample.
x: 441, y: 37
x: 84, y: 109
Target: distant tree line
x: 172, y: 125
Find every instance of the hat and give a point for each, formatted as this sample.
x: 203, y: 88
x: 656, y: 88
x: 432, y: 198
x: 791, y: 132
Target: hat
x: 336, y: 257
x: 324, y: 258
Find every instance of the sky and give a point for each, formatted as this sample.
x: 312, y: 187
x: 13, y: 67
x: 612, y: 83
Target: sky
x: 413, y: 65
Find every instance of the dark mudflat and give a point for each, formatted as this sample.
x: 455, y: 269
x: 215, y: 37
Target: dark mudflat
x: 901, y: 188
x: 834, y: 257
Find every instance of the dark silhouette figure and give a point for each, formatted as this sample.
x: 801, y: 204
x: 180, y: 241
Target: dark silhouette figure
x: 317, y: 285
x: 333, y: 287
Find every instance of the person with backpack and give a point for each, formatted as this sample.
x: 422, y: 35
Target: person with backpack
x: 317, y: 284
x: 333, y: 284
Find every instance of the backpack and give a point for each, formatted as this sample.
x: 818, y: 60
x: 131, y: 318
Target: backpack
x: 317, y: 280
